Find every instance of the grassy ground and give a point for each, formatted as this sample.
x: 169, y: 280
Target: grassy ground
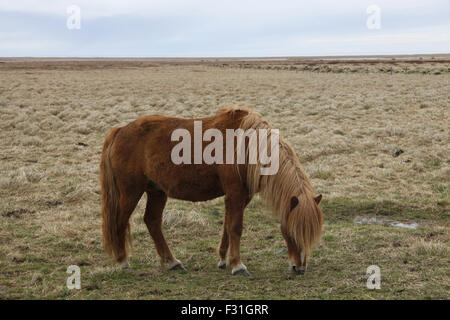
x: 375, y: 144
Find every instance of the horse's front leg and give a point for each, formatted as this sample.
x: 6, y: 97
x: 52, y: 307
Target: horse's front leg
x: 235, y: 204
x: 223, y: 247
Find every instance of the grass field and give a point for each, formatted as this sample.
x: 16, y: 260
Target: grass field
x: 375, y: 142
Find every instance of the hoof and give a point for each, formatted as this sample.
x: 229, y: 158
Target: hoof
x: 222, y: 264
x: 240, y: 269
x: 124, y: 265
x: 176, y: 265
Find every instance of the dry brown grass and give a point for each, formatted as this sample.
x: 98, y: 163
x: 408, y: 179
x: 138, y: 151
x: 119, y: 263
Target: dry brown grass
x: 347, y: 129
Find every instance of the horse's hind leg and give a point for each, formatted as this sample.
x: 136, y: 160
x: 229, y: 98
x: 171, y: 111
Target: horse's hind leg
x: 156, y: 201
x: 127, y: 204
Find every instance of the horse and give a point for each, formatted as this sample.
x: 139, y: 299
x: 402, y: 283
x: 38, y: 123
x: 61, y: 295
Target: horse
x: 137, y: 159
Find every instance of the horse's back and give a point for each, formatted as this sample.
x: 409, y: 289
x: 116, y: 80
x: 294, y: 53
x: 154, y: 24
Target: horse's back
x: 141, y: 155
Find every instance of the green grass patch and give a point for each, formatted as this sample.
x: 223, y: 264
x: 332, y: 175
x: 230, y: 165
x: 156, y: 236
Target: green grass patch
x: 413, y: 263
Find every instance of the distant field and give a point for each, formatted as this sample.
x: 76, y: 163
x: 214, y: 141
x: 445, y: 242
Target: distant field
x: 423, y: 64
x: 373, y: 135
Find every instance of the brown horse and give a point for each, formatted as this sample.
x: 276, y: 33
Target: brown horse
x: 136, y: 158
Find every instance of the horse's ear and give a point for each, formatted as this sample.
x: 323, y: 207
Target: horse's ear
x: 318, y: 198
x: 294, y: 203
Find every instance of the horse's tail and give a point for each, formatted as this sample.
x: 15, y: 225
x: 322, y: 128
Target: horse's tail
x: 110, y: 201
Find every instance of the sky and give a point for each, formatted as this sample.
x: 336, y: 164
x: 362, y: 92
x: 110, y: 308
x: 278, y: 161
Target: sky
x: 225, y: 28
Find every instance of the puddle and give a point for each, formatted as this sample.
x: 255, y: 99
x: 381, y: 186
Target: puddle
x: 383, y: 221
x: 413, y: 225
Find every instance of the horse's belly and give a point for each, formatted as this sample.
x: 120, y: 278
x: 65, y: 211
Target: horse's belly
x: 191, y: 184
x: 194, y: 192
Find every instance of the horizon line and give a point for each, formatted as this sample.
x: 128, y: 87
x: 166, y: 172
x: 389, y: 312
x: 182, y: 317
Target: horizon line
x: 226, y: 57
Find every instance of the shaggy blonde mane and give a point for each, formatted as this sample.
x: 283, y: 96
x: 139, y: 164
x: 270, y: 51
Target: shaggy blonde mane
x: 304, y: 223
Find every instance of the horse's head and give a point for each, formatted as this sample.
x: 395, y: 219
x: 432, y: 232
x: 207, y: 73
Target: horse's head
x: 301, y: 227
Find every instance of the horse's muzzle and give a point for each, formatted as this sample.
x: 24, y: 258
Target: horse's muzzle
x: 298, y: 270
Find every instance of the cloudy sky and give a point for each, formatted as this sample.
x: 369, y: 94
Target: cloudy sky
x: 225, y: 28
